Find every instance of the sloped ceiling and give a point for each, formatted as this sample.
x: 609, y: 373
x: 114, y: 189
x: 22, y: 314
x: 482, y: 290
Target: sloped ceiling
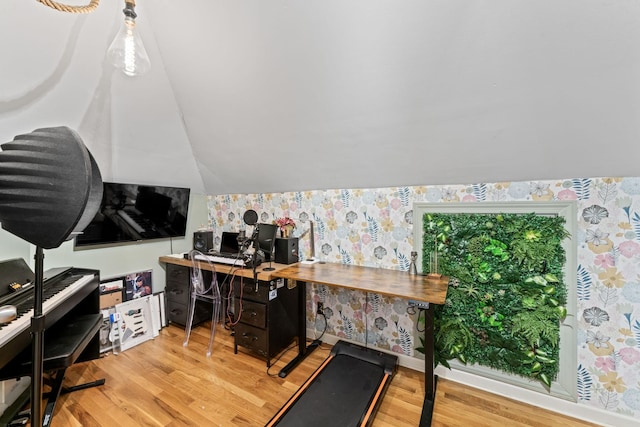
x: 291, y: 95
x: 280, y: 95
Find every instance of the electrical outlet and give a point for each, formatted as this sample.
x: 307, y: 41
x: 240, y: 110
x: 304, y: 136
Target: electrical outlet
x: 319, y: 308
x: 419, y: 304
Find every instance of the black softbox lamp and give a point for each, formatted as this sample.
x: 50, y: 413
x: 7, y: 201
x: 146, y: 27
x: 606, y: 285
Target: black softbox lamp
x: 50, y: 189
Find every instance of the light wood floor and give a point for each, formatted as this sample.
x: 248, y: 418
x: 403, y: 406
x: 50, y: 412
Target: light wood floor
x: 160, y: 383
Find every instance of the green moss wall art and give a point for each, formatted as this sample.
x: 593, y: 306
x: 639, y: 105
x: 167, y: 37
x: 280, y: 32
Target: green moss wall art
x: 507, y: 296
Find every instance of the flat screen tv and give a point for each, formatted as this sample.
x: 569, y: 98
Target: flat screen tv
x: 134, y: 212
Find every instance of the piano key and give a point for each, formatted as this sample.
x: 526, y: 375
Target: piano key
x: 53, y: 295
x: 239, y: 262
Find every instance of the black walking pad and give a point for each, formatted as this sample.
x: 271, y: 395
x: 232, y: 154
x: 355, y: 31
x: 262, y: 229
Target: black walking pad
x: 346, y: 390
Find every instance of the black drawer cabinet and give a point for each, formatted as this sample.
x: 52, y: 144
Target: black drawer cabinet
x: 268, y: 316
x: 178, y: 292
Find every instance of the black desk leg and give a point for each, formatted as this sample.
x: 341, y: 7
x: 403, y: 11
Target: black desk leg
x: 303, y: 349
x: 430, y: 378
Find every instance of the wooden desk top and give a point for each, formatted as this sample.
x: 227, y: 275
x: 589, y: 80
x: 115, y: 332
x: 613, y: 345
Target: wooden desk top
x: 368, y: 279
x: 178, y: 259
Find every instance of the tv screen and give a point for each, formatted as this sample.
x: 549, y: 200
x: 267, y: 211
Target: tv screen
x: 133, y: 212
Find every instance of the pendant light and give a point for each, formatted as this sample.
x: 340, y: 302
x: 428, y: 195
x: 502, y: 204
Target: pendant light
x: 127, y: 51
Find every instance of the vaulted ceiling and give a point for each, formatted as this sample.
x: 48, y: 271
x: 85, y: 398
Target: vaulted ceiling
x: 279, y: 95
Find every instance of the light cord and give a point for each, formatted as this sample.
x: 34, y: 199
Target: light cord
x: 71, y: 9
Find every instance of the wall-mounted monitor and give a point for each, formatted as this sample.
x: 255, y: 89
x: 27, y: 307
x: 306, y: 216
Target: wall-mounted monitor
x: 135, y: 212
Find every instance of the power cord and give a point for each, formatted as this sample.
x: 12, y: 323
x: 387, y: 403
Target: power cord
x: 366, y: 320
x: 292, y: 346
x: 230, y: 315
x: 320, y: 311
x: 315, y: 342
x: 421, y: 312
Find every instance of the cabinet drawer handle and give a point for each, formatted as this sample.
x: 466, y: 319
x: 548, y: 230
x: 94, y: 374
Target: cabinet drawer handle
x: 252, y: 337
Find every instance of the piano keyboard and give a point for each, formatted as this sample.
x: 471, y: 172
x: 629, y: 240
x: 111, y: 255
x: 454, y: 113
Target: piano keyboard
x: 53, y: 295
x: 238, y: 262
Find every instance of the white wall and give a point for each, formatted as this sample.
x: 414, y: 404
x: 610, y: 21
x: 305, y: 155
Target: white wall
x: 13, y: 247
x: 119, y: 260
x: 53, y: 73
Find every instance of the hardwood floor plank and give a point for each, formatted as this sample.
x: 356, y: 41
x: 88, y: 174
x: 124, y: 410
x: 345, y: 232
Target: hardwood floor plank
x: 161, y: 383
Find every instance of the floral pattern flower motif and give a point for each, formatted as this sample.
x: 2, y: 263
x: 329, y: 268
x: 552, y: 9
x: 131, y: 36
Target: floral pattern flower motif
x: 449, y: 194
x: 612, y: 382
x: 612, y: 278
x: 604, y: 260
x: 594, y: 214
x: 380, y: 252
x: 567, y: 195
x: 595, y: 316
x: 629, y: 355
x: 605, y: 363
x: 351, y: 217
x: 611, y: 247
x: 629, y: 249
x: 597, y: 237
x: 381, y: 323
x: 631, y: 186
x: 326, y: 249
x: 539, y: 188
x: 597, y: 339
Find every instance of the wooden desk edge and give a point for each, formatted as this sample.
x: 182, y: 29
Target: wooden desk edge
x: 394, y: 283
x: 227, y: 269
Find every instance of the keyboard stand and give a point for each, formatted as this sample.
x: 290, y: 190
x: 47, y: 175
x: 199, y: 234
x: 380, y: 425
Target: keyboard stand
x: 64, y: 344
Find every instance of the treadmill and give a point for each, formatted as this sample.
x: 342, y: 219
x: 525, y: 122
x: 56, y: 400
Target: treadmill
x: 346, y: 390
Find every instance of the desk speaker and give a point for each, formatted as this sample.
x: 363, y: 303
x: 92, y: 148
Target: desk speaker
x: 203, y: 241
x: 286, y: 251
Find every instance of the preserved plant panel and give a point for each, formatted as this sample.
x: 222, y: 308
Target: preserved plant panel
x: 507, y: 301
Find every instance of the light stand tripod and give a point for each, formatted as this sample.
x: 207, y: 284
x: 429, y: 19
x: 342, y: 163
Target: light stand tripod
x: 52, y: 172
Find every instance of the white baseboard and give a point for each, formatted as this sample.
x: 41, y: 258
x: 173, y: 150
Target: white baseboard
x: 572, y: 409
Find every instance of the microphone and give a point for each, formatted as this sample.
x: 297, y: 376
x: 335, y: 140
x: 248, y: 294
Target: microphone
x: 250, y: 217
x: 242, y: 238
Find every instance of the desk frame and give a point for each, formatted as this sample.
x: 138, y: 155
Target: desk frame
x: 392, y: 283
x: 381, y: 281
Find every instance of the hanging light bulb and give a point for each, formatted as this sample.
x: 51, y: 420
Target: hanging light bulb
x: 127, y: 51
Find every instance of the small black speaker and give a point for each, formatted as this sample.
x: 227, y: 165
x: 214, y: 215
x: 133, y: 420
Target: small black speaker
x: 203, y: 241
x: 286, y: 251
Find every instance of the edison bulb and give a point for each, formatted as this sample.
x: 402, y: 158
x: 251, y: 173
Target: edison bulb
x: 127, y: 52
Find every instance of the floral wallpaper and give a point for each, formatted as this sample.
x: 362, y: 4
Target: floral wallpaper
x: 373, y: 227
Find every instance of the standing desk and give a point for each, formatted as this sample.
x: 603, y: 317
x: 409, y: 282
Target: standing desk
x: 366, y: 279
x: 376, y: 280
